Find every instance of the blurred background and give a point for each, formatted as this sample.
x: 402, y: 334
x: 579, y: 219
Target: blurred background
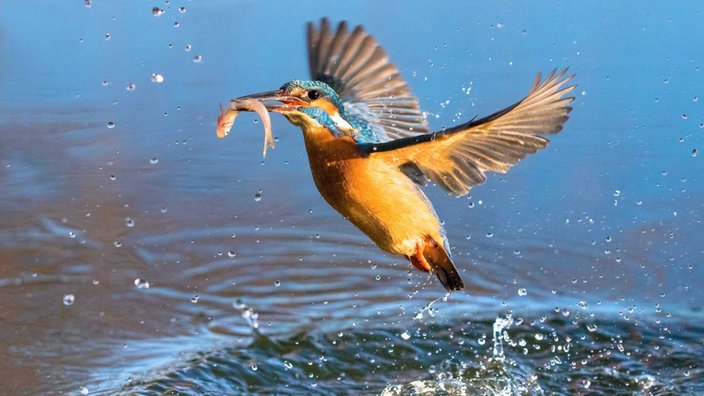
x: 139, y: 254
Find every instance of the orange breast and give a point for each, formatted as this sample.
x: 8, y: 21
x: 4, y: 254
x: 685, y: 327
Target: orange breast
x: 372, y: 194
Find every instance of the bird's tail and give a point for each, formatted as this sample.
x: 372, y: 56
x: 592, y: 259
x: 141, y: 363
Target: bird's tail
x: 431, y: 256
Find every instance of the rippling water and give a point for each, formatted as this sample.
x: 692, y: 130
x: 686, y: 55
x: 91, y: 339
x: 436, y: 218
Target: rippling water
x: 141, y: 255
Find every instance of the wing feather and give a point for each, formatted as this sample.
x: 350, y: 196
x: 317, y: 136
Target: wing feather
x: 359, y: 70
x: 458, y: 158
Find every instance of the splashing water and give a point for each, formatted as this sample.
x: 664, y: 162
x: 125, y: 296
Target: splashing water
x: 429, y: 308
x: 500, y: 324
x: 248, y: 314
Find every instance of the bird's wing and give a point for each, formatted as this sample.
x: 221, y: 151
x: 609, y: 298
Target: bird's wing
x: 359, y: 70
x: 458, y: 158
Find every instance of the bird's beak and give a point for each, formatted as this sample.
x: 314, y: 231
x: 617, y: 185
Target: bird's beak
x: 286, y: 102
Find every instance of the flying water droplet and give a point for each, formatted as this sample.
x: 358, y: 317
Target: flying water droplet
x: 195, y: 298
x: 197, y: 58
x: 154, y: 160
x: 111, y: 124
x: 156, y: 11
x: 258, y: 195
x: 157, y: 78
x: 131, y: 86
x: 69, y: 299
x: 141, y: 283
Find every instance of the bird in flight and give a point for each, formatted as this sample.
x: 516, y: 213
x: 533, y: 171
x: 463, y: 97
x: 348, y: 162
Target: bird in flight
x: 370, y: 149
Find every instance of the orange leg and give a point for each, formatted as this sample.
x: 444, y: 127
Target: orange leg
x: 418, y: 260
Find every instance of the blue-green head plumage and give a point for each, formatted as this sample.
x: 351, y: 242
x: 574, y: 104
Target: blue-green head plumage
x: 332, y: 116
x: 315, y: 90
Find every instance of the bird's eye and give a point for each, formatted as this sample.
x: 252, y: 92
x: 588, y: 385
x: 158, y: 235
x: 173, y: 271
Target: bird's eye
x: 313, y: 94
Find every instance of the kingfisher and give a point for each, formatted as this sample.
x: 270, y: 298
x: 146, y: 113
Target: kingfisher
x: 370, y: 149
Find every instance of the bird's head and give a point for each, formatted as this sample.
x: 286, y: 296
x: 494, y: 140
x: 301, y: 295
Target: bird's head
x: 308, y: 105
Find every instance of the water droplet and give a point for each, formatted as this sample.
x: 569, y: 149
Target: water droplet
x: 129, y: 222
x: 182, y: 10
x: 176, y: 24
x: 131, y: 86
x: 522, y: 292
x: 106, y: 83
x: 107, y: 36
x: 694, y: 152
x: 141, y: 283
x: 83, y: 390
x: 69, y: 299
x: 617, y: 193
x: 277, y: 283
x: 197, y: 58
x: 591, y: 327
x: 157, y: 78
x: 253, y: 367
x: 111, y: 124
x: 154, y: 160
x: 188, y: 47
x: 88, y: 3
x: 258, y: 195
x: 71, y: 234
x: 406, y: 335
x: 288, y: 364
x: 156, y: 11
x: 195, y: 298
x: 684, y: 116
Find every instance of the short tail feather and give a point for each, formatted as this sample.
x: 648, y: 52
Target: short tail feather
x: 431, y: 256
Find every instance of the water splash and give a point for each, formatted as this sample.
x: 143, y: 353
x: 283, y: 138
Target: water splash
x: 429, y: 308
x: 248, y: 314
x: 500, y: 324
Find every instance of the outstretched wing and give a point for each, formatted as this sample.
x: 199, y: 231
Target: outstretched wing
x: 458, y: 158
x: 375, y: 95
